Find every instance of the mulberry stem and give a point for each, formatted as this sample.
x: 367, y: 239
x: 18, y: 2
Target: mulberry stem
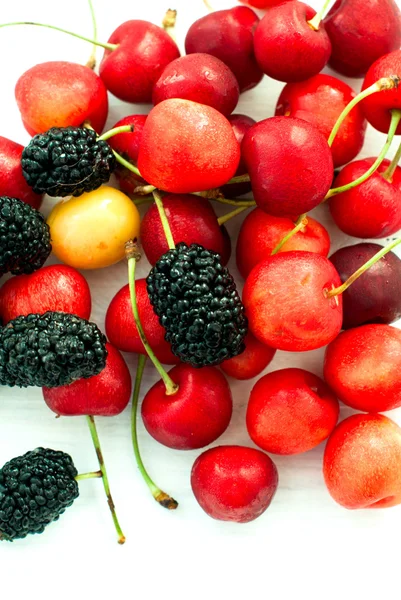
x: 91, y: 475
x: 163, y: 217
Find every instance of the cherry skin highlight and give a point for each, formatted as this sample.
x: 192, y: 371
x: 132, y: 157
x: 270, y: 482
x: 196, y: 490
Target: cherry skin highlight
x: 106, y: 394
x: 60, y: 94
x: 187, y: 147
x: 228, y: 35
x: 131, y: 70
x: 252, y: 361
x: 240, y: 124
x: 287, y: 48
x: 127, y: 144
x: 201, y: 78
x: 12, y: 181
x: 371, y: 209
x: 192, y: 220
x: 320, y: 100
x: 234, y: 483
x: 196, y: 415
x: 121, y: 329
x: 375, y: 297
x: 291, y: 411
x: 285, y: 301
x: 260, y: 233
x: 363, y: 367
x: 361, y: 464
x: 361, y: 31
x: 57, y: 288
x: 290, y: 165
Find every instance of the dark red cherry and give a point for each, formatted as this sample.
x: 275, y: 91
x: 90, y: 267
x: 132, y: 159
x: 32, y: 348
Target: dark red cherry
x: 127, y: 144
x: 240, y: 124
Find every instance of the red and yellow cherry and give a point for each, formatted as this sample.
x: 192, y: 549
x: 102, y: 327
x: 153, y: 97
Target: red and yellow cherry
x: 252, y: 361
x: 55, y: 287
x: 90, y: 232
x: 363, y: 367
x: 371, y: 209
x: 122, y: 331
x: 291, y: 411
x: 287, y: 47
x: 127, y: 144
x: 59, y: 94
x: 240, y: 124
x: 106, y: 394
x: 201, y: 78
x: 234, y: 483
x: 12, y: 181
x: 320, y: 100
x: 289, y: 163
x: 285, y: 299
x: 195, y: 415
x: 228, y: 35
x: 361, y: 32
x: 142, y: 51
x: 376, y: 296
x: 361, y: 465
x: 260, y: 233
x: 187, y: 147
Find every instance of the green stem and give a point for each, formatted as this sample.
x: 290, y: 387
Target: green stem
x: 115, y: 131
x: 340, y: 289
x: 132, y: 255
x: 233, y: 202
x: 386, y: 83
x: 315, y: 22
x: 127, y: 164
x: 208, y: 5
x: 141, y: 200
x: 168, y: 22
x: 239, y: 179
x: 301, y: 222
x: 105, y: 479
x: 389, y: 172
x: 163, y: 217
x: 92, y: 475
x: 161, y: 497
x: 144, y: 190
x: 230, y: 215
x: 91, y: 64
x: 80, y: 37
x: 395, y: 119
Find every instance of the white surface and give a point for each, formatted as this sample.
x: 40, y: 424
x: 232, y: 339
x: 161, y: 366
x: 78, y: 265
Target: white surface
x: 303, y: 546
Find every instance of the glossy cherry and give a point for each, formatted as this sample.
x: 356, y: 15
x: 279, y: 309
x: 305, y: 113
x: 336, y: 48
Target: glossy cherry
x: 234, y: 483
x: 252, y: 361
x: 361, y: 31
x: 127, y: 144
x: 59, y: 94
x: 228, y: 35
x: 287, y: 47
x: 290, y: 165
x: 12, y: 181
x: 106, y: 394
x: 240, y: 124
x: 320, y: 100
x: 56, y: 287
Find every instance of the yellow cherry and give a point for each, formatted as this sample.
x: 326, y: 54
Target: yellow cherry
x: 89, y: 232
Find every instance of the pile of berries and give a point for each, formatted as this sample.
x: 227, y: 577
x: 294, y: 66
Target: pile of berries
x: 189, y: 152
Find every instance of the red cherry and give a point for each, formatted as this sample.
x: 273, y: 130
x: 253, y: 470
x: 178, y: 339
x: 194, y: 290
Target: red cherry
x: 260, y: 233
x: 106, y: 394
x: 59, y: 94
x: 252, y: 361
x: 12, y: 181
x: 234, y: 483
x: 56, y: 288
x: 285, y: 301
x: 187, y: 147
x: 361, y: 31
x: 371, y: 209
x: 363, y: 367
x: 289, y: 163
x: 201, y: 78
x: 127, y: 144
x: 228, y: 35
x: 320, y: 100
x: 287, y: 48
x: 131, y: 70
x: 240, y: 124
x: 263, y: 3
x: 291, y: 411
x: 192, y: 220
x: 196, y: 415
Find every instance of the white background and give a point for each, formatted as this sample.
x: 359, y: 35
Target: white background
x: 304, y: 546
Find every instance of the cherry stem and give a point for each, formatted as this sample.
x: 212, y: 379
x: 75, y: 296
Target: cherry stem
x: 230, y: 215
x: 340, y: 289
x: 163, y: 218
x: 115, y: 131
x: 107, y: 46
x: 126, y: 163
x: 239, y: 179
x: 395, y: 119
x: 315, y: 21
x: 144, y: 190
x: 389, y: 172
x: 161, y: 497
x: 96, y: 443
x: 234, y: 202
x: 141, y: 200
x: 168, y: 22
x: 300, y: 223
x: 132, y: 254
x: 91, y: 475
x: 91, y: 64
x: 208, y: 5
x: 386, y: 83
